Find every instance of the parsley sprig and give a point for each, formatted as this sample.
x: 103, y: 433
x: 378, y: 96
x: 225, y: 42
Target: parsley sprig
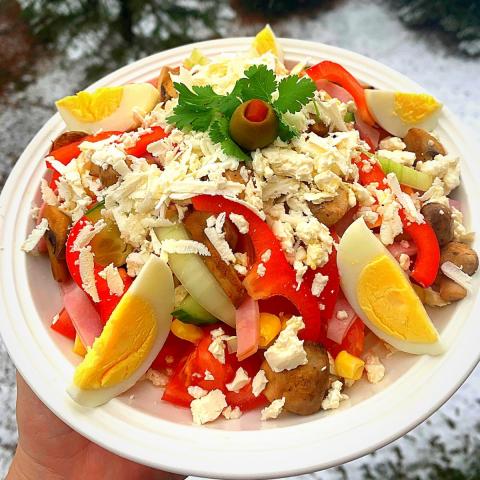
x: 203, y: 110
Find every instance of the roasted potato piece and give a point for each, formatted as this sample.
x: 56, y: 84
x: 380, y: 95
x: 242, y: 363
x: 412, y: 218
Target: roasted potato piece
x: 329, y: 213
x: 66, y: 138
x: 440, y: 218
x: 165, y: 85
x: 451, y: 291
x: 225, y: 274
x: 461, y: 255
x: 423, y: 145
x: 304, y: 387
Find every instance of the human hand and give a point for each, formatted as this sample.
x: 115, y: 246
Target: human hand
x: 48, y: 449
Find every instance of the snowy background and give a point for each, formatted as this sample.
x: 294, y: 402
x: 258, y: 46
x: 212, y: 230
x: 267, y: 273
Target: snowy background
x: 36, y: 69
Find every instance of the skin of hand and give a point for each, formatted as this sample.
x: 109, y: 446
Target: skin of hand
x: 48, y: 449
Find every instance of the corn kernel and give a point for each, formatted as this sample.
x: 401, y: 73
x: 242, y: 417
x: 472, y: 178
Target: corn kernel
x: 270, y: 326
x: 349, y: 366
x: 186, y: 331
x: 78, y: 347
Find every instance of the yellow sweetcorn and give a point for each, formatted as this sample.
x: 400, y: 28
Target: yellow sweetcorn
x: 78, y: 347
x: 349, y: 366
x: 186, y: 331
x: 270, y: 326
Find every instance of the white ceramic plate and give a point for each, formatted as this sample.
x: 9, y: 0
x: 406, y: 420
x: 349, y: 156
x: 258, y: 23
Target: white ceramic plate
x: 155, y: 433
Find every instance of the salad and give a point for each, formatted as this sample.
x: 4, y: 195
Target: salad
x: 246, y: 234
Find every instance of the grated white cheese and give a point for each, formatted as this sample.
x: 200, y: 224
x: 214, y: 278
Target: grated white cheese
x: 392, y: 144
x: 86, y: 266
x: 114, y: 280
x: 86, y: 234
x: 404, y: 199
x: 259, y: 383
x: 48, y: 195
x: 208, y: 408
x: 35, y: 236
x: 240, y: 380
x: 240, y: 222
x: 273, y: 410
x: 184, y: 247
x: 318, y: 284
x: 214, y: 232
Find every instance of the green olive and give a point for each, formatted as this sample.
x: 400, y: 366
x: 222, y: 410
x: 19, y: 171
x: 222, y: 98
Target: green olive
x: 253, y: 134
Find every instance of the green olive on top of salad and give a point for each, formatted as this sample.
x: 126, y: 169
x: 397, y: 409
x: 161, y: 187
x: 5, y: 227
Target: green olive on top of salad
x: 247, y: 236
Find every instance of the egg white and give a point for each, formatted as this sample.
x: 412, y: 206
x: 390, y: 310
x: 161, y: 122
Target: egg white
x: 136, y: 97
x: 358, y: 247
x: 155, y: 286
x: 381, y: 104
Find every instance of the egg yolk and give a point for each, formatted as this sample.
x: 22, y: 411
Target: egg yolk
x: 390, y: 303
x: 414, y: 107
x: 126, y: 340
x: 95, y: 106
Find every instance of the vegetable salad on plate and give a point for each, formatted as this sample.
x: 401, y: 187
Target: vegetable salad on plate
x: 246, y: 233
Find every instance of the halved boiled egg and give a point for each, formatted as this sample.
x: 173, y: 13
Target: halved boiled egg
x: 266, y: 41
x: 108, y: 108
x: 397, y: 112
x: 381, y: 294
x: 131, y: 339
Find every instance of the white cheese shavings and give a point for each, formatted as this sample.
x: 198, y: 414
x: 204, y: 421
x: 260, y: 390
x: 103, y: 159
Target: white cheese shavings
x: 184, y: 247
x: 374, y: 368
x: 114, y: 280
x: 232, y: 413
x: 208, y: 408
x: 196, y: 392
x: 287, y: 352
x: 217, y: 349
x: 259, y: 383
x: 158, y: 379
x: 218, y: 332
x: 273, y: 410
x: 318, y: 284
x: 87, y: 273
x: 456, y: 274
x: 266, y: 255
x: 240, y: 380
x: 216, y: 235
x: 404, y: 261
x: 48, y: 195
x: 240, y: 222
x: 208, y: 376
x: 35, y: 236
x: 261, y: 270
x: 404, y: 199
x: 86, y: 234
x: 334, y: 396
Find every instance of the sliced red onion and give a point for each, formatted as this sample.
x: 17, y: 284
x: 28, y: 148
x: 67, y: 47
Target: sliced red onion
x: 456, y: 274
x: 247, y: 318
x: 334, y: 90
x: 342, y: 319
x: 406, y: 247
x: 85, y: 318
x: 457, y: 204
x: 369, y: 134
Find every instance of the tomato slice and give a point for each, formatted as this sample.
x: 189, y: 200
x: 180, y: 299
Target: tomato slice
x: 173, y: 352
x: 353, y: 342
x: 64, y: 325
x: 176, y: 390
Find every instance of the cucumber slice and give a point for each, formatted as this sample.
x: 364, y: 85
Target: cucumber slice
x: 406, y: 175
x: 197, y: 279
x: 190, y: 311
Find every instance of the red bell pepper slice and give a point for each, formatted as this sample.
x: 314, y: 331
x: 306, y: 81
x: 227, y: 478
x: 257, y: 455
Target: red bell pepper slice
x: 64, y: 325
x: 279, y: 278
x: 374, y: 174
x: 173, y: 352
x: 427, y: 262
x: 336, y: 73
x: 140, y: 148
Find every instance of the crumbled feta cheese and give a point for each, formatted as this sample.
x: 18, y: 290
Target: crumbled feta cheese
x: 240, y: 380
x: 241, y: 262
x: 196, y: 392
x: 86, y: 266
x: 300, y: 271
x: 208, y: 408
x: 460, y: 233
x: 48, y: 195
x: 214, y: 232
x: 374, y: 368
x: 217, y: 349
x: 392, y: 144
x: 259, y: 383
x: 342, y: 315
x: 208, y: 376
x: 398, y: 156
x: 404, y: 261
x: 218, y: 332
x: 318, y: 284
x: 334, y: 396
x: 287, y: 352
x: 404, y: 199
x: 35, y: 236
x: 232, y: 413
x: 265, y: 257
x: 86, y: 234
x: 158, y: 379
x: 135, y: 262
x: 114, y: 280
x: 445, y: 167
x: 273, y: 410
x: 240, y: 222
x: 261, y: 269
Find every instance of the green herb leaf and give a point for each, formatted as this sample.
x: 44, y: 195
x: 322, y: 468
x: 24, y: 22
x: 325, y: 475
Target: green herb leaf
x: 219, y: 134
x: 294, y: 93
x: 285, y: 132
x: 260, y: 82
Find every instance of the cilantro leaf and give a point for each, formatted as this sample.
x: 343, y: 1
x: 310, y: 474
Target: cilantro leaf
x: 294, y: 93
x: 260, y: 82
x: 219, y: 134
x: 285, y: 131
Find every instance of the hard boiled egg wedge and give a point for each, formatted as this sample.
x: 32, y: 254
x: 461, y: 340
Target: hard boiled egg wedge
x: 397, y: 112
x: 108, y: 108
x: 381, y: 294
x: 131, y: 339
